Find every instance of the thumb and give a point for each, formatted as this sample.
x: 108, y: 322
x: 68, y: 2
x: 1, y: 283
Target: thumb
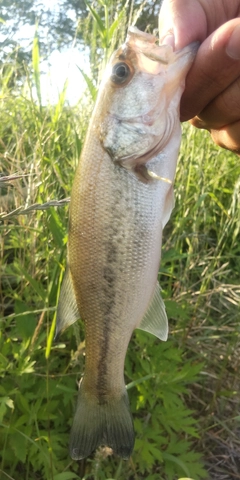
x: 182, y: 22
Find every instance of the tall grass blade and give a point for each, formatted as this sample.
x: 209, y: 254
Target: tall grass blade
x: 117, y: 22
x: 51, y: 336
x: 99, y: 22
x: 36, y: 67
x: 60, y: 104
x: 91, y: 87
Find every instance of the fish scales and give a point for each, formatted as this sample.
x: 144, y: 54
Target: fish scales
x: 124, y: 221
x: 122, y: 196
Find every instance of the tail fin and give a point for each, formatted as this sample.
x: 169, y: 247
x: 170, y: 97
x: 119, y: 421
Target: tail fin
x: 109, y: 424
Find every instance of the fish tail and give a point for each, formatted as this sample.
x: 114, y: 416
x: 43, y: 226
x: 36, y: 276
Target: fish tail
x: 97, y: 423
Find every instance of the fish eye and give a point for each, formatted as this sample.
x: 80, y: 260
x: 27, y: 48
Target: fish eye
x: 120, y: 73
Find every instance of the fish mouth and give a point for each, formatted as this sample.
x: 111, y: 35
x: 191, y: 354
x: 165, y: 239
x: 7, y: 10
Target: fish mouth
x: 145, y: 44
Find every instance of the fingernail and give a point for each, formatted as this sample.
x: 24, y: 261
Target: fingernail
x: 198, y: 123
x: 168, y: 39
x: 233, y: 46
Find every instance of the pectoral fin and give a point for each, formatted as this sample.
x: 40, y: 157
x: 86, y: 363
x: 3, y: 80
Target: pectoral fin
x: 155, y: 319
x: 67, y: 309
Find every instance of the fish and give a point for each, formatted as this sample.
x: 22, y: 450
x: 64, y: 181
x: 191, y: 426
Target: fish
x: 122, y: 197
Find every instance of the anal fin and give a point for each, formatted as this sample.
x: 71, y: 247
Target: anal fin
x: 67, y: 309
x: 155, y: 319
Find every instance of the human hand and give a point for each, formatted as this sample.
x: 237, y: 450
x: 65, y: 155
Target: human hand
x: 212, y: 95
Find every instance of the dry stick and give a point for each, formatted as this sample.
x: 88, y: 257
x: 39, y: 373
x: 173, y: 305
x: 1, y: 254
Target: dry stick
x: 36, y: 331
x: 10, y: 178
x: 36, y: 206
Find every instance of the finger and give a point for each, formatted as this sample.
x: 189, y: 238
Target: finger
x: 213, y: 69
x: 228, y: 137
x: 223, y: 110
x: 186, y: 21
x: 182, y: 22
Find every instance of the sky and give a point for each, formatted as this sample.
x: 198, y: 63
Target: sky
x: 62, y: 66
x: 59, y: 67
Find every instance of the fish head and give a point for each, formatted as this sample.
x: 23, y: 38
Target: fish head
x: 139, y: 96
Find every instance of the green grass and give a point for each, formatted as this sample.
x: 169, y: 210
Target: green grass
x: 184, y: 394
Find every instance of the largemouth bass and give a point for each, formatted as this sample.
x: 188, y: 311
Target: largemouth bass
x: 122, y: 197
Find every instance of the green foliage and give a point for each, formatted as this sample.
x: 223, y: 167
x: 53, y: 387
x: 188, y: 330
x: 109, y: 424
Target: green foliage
x: 179, y: 390
x: 164, y: 426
